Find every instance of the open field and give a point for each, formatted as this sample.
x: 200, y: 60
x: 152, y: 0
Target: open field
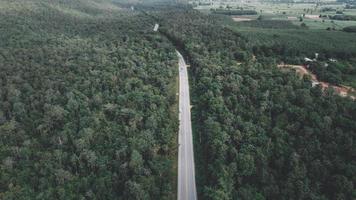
x: 309, y: 12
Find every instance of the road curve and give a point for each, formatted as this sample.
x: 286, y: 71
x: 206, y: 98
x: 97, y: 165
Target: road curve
x: 186, y: 171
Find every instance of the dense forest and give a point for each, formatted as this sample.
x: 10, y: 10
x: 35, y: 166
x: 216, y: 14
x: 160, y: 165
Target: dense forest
x: 261, y: 133
x: 87, y: 103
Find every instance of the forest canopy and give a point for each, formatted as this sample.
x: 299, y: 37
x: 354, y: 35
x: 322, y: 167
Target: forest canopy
x: 261, y: 133
x: 87, y: 103
x: 88, y: 106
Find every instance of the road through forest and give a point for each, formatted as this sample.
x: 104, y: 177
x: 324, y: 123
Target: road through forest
x: 186, y: 168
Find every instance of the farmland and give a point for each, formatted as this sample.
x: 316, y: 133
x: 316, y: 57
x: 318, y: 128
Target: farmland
x: 292, y: 12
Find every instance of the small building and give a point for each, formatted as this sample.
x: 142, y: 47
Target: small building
x: 155, y: 29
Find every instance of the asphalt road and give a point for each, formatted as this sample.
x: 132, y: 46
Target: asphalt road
x: 186, y: 170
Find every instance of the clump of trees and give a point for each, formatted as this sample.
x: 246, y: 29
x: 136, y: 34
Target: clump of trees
x: 349, y: 6
x: 327, y: 9
x: 336, y: 72
x: 343, y: 17
x: 351, y: 29
x: 272, y: 24
x: 329, y: 72
x: 233, y: 12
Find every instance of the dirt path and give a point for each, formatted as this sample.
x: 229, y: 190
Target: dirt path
x: 343, y: 91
